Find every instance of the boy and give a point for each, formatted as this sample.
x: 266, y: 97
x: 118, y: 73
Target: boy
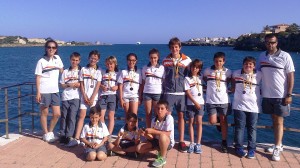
x: 70, y: 98
x: 246, y: 105
x: 161, y: 134
x: 94, y: 135
x: 176, y: 68
x: 217, y: 100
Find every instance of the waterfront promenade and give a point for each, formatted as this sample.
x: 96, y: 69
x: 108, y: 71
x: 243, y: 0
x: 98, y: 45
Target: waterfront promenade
x: 30, y: 151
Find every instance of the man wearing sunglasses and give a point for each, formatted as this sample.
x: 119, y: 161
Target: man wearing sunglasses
x: 277, y: 85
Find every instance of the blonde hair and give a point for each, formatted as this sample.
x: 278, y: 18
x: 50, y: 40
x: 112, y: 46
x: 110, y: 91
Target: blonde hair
x: 112, y: 59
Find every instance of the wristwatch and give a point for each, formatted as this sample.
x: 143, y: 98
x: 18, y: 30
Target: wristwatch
x: 288, y: 95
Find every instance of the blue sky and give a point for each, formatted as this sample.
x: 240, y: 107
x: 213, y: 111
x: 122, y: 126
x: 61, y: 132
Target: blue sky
x: 152, y: 21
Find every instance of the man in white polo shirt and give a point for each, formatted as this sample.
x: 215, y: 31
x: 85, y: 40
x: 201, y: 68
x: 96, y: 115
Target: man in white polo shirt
x: 278, y: 70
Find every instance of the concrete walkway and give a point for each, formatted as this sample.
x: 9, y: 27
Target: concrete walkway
x: 30, y: 151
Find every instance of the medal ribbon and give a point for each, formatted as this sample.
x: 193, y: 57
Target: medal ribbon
x: 248, y: 81
x: 218, y: 79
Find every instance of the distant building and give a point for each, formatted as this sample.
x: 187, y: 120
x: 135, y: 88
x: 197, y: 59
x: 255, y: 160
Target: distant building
x: 36, y: 40
x: 59, y: 42
x: 276, y: 28
x: 21, y: 41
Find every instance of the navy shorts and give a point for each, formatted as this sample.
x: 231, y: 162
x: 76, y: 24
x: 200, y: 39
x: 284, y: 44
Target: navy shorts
x: 50, y: 99
x: 275, y: 106
x: 175, y: 100
x: 101, y: 148
x: 108, y: 102
x: 212, y: 109
x: 149, y: 96
x: 155, y: 144
x: 124, y: 143
x: 193, y: 112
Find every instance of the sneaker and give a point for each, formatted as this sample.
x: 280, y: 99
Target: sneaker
x: 251, y: 154
x: 46, y: 137
x: 159, y: 162
x: 198, y: 149
x: 63, y: 140
x: 191, y: 148
x: 73, y: 142
x: 271, y: 149
x: 182, y: 147
x: 224, y: 147
x: 240, y: 152
x: 50, y: 137
x: 111, y: 153
x: 276, y: 154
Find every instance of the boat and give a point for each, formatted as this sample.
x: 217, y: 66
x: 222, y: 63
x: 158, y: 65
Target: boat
x: 138, y: 43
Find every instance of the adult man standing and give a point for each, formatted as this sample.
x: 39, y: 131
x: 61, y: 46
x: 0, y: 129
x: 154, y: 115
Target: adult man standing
x: 277, y: 85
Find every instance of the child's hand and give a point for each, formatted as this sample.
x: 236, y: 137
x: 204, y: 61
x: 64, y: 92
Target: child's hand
x: 38, y: 98
x: 120, y: 134
x: 103, y: 87
x: 198, y: 106
x: 122, y: 103
x: 91, y: 101
x: 141, y: 132
x: 114, y: 88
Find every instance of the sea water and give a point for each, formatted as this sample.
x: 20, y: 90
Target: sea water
x: 18, y: 65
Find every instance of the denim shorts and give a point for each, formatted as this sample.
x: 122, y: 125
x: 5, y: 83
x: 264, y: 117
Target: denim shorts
x: 108, y: 102
x: 101, y: 148
x: 192, y: 111
x: 149, y: 96
x: 275, y: 106
x: 212, y: 109
x: 50, y: 99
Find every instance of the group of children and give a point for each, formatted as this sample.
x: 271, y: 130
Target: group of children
x: 177, y: 82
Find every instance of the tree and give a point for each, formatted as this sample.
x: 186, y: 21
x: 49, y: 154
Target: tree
x: 267, y: 28
x: 293, y: 29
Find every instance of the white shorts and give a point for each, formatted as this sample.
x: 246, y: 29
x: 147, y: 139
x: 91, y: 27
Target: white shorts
x: 85, y: 106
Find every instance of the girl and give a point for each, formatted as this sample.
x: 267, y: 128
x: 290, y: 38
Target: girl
x: 129, y: 82
x: 128, y: 138
x: 108, y: 93
x: 90, y: 80
x: 152, y: 84
x: 47, y: 91
x: 195, y: 104
x: 246, y: 105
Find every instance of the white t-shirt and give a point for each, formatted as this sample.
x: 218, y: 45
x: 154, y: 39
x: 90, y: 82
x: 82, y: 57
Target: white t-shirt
x: 153, y: 78
x: 109, y: 79
x: 94, y: 133
x: 48, y: 69
x: 129, y: 135
x: 275, y: 69
x: 70, y: 76
x: 247, y: 91
x: 194, y: 84
x: 216, y: 92
x: 90, y: 77
x: 131, y: 81
x: 166, y: 125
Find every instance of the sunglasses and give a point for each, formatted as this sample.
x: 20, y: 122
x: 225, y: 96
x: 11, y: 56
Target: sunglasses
x: 49, y: 47
x: 271, y: 42
x: 131, y: 60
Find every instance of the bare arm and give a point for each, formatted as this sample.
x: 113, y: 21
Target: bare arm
x: 290, y: 85
x: 189, y: 96
x: 38, y: 92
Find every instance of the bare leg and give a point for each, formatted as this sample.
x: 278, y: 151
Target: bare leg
x: 278, y: 129
x: 224, y: 126
x: 43, y: 119
x: 80, y: 122
x: 199, y: 128
x: 148, y: 105
x: 91, y: 156
x: 111, y: 121
x: 191, y: 129
x: 181, y: 126
x: 55, y: 117
x: 101, y: 156
x: 164, y: 141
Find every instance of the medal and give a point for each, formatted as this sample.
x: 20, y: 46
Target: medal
x: 244, y: 92
x: 199, y: 94
x: 91, y: 86
x: 131, y: 88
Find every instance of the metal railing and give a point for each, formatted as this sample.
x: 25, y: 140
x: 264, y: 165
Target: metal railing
x: 33, y: 113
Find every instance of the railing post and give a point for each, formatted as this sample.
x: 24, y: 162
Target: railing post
x: 6, y: 114
x: 19, y: 109
x: 32, y: 109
